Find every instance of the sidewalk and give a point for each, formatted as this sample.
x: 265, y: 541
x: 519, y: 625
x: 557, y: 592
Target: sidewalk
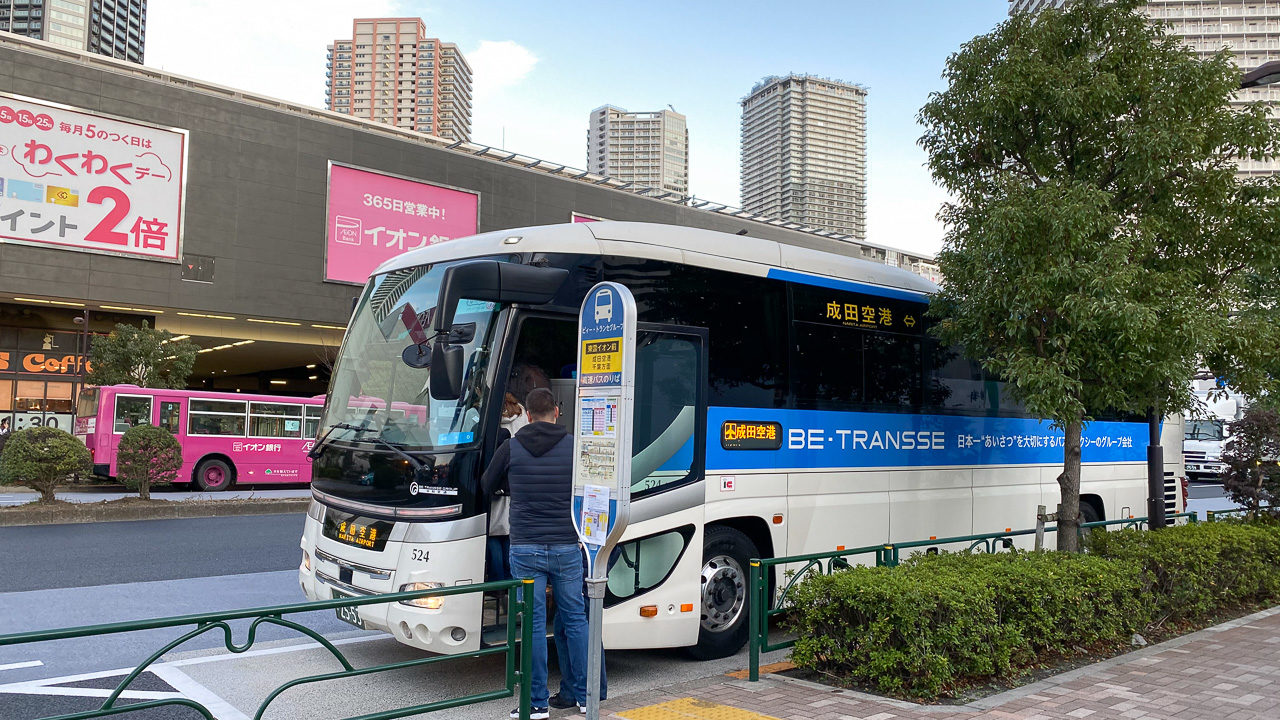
x: 18, y: 495
x: 1227, y: 672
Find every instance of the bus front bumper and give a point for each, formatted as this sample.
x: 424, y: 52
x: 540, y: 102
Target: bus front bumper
x: 451, y: 625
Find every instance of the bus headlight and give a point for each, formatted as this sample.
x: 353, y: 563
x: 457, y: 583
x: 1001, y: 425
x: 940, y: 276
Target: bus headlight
x: 306, y: 560
x: 430, y: 603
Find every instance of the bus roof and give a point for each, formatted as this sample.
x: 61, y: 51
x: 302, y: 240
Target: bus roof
x: 127, y: 389
x: 818, y: 257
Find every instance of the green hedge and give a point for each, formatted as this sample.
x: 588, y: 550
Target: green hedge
x: 924, y: 626
x: 1193, y: 572
x: 936, y: 623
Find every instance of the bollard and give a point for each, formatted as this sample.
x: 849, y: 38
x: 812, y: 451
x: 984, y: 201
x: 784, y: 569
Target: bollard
x: 754, y: 620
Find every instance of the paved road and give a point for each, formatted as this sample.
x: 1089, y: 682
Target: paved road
x: 1203, y: 496
x: 85, y: 574
x: 83, y: 555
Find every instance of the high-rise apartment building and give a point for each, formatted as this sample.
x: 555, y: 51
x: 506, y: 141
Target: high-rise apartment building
x: 391, y: 72
x: 1250, y: 29
x: 804, y: 152
x: 647, y: 148
x: 115, y: 28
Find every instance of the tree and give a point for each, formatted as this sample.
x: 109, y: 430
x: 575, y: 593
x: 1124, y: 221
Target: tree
x: 1098, y: 239
x: 1252, y: 478
x: 42, y: 457
x: 143, y: 356
x: 148, y: 455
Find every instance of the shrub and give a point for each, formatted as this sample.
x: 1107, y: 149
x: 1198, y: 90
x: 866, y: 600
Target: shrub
x: 1191, y: 572
x: 148, y: 456
x: 928, y: 625
x: 1252, y: 477
x: 42, y: 457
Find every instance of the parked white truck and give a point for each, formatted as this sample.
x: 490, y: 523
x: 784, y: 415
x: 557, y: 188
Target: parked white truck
x: 1207, y: 430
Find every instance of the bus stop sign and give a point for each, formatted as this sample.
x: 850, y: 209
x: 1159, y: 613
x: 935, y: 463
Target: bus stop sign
x: 602, y: 444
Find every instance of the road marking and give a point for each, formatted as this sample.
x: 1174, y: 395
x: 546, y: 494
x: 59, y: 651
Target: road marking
x: 17, y: 665
x: 183, y: 683
x: 87, y: 692
x: 273, y: 651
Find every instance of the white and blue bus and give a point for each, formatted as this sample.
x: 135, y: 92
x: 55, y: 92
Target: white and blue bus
x: 788, y: 400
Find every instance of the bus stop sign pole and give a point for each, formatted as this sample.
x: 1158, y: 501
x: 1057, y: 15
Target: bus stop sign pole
x: 602, y: 449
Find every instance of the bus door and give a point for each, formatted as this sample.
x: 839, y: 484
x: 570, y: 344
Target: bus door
x: 170, y: 413
x: 660, y: 560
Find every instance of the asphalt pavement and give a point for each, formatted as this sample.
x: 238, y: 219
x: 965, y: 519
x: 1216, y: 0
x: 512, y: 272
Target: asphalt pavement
x: 69, y: 575
x: 40, y: 557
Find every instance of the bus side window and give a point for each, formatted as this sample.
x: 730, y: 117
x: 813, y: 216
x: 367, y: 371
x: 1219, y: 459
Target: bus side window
x: 131, y: 411
x: 643, y: 564
x: 665, y: 417
x: 313, y: 420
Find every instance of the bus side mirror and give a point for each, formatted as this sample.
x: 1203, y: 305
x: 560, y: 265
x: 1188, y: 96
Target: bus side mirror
x: 446, y: 371
x: 493, y: 281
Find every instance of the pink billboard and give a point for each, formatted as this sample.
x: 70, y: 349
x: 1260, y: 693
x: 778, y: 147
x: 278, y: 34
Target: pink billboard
x: 373, y: 217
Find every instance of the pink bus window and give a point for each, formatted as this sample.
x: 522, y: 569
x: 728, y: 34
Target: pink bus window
x: 131, y: 411
x: 275, y: 420
x: 216, y: 417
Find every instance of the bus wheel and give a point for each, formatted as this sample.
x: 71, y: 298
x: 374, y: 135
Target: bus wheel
x: 725, y: 556
x: 213, y: 475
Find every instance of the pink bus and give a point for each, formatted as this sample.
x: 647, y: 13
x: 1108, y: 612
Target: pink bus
x: 226, y: 437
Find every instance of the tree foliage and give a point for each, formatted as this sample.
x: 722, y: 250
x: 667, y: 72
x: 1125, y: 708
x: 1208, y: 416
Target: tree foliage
x: 148, y: 456
x: 1252, y: 478
x: 42, y: 457
x: 1099, y: 241
x: 143, y: 356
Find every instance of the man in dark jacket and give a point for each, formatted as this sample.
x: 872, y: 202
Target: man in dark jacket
x: 536, y: 469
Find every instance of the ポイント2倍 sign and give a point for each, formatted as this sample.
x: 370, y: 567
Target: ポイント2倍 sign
x: 373, y: 217
x: 83, y: 181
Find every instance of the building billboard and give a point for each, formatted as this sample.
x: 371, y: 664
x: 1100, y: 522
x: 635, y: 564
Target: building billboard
x: 81, y: 180
x: 373, y: 217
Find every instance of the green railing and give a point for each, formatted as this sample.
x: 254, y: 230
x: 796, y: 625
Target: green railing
x: 522, y: 611
x: 761, y: 612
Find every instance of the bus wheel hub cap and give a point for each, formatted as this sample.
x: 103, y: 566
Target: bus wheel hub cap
x: 724, y: 592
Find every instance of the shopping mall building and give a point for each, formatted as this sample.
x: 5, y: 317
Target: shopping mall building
x: 243, y: 222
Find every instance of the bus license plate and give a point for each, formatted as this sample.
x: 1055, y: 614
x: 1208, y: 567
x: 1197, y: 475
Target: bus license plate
x: 348, y: 614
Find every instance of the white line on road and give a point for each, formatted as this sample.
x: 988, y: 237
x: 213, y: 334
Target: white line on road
x: 17, y: 665
x: 182, y: 682
x: 272, y: 651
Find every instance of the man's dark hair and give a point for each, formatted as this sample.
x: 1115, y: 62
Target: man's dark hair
x: 540, y: 403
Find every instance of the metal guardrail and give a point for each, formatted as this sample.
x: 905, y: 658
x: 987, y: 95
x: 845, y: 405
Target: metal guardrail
x: 761, y: 611
x: 522, y: 610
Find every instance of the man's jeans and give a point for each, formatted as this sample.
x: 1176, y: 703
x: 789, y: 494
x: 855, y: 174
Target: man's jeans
x: 562, y: 648
x: 560, y: 566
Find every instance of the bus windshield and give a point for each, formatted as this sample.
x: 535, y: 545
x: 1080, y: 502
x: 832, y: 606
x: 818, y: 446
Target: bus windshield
x: 1203, y: 430
x: 376, y: 397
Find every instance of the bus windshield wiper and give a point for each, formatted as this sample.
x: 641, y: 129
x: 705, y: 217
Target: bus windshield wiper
x: 394, y: 447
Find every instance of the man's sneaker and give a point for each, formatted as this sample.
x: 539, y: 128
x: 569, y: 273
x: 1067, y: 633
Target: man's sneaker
x: 582, y: 708
x: 560, y: 702
x: 538, y: 713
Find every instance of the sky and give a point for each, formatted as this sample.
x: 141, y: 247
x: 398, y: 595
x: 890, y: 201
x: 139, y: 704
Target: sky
x: 541, y: 66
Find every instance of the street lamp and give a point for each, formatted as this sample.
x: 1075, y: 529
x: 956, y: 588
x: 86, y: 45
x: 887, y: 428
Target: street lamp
x: 1265, y: 74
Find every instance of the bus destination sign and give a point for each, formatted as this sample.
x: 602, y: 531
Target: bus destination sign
x: 357, y: 531
x: 750, y: 435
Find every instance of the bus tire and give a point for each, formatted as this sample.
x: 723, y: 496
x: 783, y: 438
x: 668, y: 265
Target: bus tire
x: 726, y: 554
x: 213, y: 475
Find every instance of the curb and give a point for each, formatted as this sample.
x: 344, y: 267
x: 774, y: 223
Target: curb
x: 160, y: 510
